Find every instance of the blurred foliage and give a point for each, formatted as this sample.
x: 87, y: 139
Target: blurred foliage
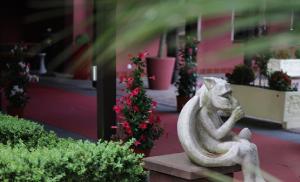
x: 261, y: 61
x: 282, y: 54
x: 138, y: 21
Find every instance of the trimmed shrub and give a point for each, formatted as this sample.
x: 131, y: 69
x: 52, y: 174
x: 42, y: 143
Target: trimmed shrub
x: 242, y: 75
x: 31, y: 154
x: 14, y: 131
x: 71, y: 161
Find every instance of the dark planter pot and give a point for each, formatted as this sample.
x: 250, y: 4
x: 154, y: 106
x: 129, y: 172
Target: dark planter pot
x: 181, y: 101
x: 15, y: 111
x: 162, y: 70
x: 146, y: 153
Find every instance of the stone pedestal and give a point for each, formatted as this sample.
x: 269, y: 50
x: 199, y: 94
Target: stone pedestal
x: 178, y: 168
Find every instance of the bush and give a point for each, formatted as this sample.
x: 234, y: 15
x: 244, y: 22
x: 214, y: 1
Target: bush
x: 279, y: 80
x: 29, y: 153
x: 14, y: 131
x: 70, y: 161
x: 242, y: 75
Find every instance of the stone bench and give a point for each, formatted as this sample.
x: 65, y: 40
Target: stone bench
x: 178, y: 168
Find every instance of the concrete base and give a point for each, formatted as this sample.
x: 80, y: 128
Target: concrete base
x: 178, y: 168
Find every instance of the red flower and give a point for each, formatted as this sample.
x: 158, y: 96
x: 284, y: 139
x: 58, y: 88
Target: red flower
x: 117, y: 109
x: 136, y: 143
x: 151, y: 118
x: 142, y: 55
x: 127, y: 128
x: 154, y: 104
x: 128, y: 101
x: 129, y: 131
x: 143, y: 125
x: 136, y: 108
x: 136, y: 91
x: 122, y: 79
x: 129, y: 82
x: 143, y: 138
x: 126, y: 124
x: 152, y: 77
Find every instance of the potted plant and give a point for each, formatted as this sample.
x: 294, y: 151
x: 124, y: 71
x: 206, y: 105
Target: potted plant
x: 16, y: 80
x: 278, y: 102
x: 160, y: 68
x: 135, y: 111
x: 186, y: 83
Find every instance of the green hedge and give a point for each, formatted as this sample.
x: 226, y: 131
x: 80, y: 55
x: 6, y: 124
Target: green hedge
x: 26, y: 156
x: 14, y: 131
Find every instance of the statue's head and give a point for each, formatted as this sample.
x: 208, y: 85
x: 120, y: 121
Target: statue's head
x: 218, y: 94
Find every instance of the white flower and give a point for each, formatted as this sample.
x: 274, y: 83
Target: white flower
x: 129, y: 66
x: 12, y: 93
x: 17, y: 89
x: 22, y: 64
x: 33, y: 78
x: 27, y: 69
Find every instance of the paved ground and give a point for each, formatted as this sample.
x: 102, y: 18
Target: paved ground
x: 166, y: 103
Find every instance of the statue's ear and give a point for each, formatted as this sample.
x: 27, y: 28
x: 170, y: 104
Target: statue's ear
x: 209, y: 82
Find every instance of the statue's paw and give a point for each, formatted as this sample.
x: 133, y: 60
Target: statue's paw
x: 238, y: 113
x: 245, y: 134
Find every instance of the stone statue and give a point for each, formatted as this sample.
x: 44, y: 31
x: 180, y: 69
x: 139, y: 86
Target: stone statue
x: 207, y: 140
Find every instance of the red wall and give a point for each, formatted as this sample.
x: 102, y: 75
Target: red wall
x: 11, y: 18
x: 210, y: 59
x: 208, y: 49
x: 122, y: 56
x: 82, y: 12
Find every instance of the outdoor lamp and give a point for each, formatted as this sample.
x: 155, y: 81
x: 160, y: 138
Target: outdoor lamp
x: 94, y: 76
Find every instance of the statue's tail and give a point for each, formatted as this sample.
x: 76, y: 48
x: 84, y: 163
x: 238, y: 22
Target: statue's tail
x: 186, y: 129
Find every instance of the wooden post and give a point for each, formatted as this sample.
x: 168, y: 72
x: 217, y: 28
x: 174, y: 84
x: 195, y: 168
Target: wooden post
x: 105, y: 36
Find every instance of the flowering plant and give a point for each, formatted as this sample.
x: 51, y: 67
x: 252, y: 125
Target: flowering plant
x: 279, y: 80
x: 186, y: 84
x: 135, y: 110
x: 18, y: 77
